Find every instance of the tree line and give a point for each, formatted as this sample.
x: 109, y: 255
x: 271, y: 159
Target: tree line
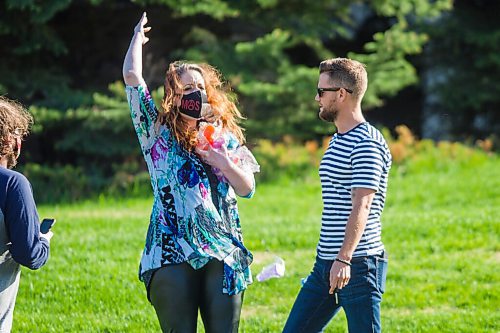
x: 63, y: 58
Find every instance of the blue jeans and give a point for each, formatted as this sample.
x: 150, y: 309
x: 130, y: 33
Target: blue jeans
x: 360, y: 299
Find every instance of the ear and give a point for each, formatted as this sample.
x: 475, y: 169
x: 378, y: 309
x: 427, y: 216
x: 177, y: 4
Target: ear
x: 343, y: 94
x: 17, y: 146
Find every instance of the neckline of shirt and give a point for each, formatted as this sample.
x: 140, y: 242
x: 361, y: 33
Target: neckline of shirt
x: 352, y: 129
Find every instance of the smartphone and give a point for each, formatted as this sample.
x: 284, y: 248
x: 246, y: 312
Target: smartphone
x: 46, y: 225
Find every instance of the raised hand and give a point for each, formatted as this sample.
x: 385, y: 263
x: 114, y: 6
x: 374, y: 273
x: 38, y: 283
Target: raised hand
x: 132, y: 65
x: 141, y: 29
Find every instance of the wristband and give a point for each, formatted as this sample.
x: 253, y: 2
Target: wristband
x: 343, y: 261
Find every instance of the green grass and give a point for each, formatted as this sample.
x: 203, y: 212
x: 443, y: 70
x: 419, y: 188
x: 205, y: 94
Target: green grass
x: 441, y: 230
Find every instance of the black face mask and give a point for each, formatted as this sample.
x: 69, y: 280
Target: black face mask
x: 193, y: 103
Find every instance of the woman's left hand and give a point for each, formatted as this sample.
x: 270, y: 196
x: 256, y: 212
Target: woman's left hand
x: 241, y: 181
x: 217, y: 158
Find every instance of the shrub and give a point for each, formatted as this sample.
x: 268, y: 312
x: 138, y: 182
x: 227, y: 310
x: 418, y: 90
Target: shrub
x: 286, y: 158
x: 59, y: 183
x: 291, y: 159
x: 414, y: 156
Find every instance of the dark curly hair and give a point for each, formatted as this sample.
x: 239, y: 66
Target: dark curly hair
x: 15, y: 121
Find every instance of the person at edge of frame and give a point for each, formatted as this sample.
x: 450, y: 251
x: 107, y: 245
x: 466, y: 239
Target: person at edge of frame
x: 21, y: 242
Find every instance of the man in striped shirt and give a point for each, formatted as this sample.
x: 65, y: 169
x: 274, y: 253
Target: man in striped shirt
x: 351, y: 264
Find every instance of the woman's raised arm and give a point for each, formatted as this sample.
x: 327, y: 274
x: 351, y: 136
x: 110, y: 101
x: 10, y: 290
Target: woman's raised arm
x: 132, y: 65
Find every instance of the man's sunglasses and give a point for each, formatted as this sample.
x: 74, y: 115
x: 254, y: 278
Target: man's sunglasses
x: 322, y: 90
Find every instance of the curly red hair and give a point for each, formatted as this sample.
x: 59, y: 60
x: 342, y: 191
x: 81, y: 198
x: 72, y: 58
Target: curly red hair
x: 221, y: 100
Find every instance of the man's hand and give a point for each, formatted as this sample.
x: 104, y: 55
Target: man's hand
x: 141, y: 30
x: 340, y: 274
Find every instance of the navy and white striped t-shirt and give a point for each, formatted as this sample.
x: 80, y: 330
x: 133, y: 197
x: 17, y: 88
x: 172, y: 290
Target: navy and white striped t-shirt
x: 359, y: 158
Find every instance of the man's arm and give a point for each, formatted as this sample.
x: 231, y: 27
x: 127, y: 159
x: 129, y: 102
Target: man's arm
x: 361, y: 202
x: 340, y: 272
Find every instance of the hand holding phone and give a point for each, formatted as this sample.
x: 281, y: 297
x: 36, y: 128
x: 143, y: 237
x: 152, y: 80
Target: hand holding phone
x: 46, y: 225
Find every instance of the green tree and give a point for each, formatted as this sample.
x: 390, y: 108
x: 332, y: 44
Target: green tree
x: 61, y: 52
x: 268, y: 50
x: 465, y: 52
x: 28, y: 41
x: 277, y: 92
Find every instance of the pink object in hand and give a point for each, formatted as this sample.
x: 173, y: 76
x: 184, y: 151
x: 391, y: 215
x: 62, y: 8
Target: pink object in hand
x: 217, y: 143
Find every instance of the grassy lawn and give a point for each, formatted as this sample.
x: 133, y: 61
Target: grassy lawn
x: 441, y: 230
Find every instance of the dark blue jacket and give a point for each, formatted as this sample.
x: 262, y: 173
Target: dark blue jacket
x: 21, y: 220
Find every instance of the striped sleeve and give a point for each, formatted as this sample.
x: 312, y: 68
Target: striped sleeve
x: 143, y: 112
x: 367, y: 160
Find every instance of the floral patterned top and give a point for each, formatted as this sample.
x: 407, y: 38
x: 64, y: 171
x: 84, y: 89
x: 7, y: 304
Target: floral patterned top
x: 186, y: 225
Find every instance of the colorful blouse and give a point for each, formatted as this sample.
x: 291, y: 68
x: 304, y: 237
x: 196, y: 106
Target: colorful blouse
x: 186, y: 225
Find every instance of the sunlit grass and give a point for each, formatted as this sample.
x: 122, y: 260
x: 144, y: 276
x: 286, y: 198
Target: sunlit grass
x: 441, y: 231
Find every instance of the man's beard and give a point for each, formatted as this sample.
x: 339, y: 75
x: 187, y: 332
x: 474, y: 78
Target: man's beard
x: 329, y: 114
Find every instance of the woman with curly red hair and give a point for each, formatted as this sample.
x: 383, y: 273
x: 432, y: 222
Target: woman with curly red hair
x: 194, y: 258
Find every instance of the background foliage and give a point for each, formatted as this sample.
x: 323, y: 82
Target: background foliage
x: 466, y: 67
x: 64, y: 60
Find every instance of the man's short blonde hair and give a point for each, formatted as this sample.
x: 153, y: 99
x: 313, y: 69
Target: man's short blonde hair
x: 346, y: 73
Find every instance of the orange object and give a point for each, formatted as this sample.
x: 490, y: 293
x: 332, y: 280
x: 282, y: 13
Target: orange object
x: 208, y: 132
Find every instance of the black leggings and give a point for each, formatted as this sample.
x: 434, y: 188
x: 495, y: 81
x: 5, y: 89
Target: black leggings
x: 178, y: 291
